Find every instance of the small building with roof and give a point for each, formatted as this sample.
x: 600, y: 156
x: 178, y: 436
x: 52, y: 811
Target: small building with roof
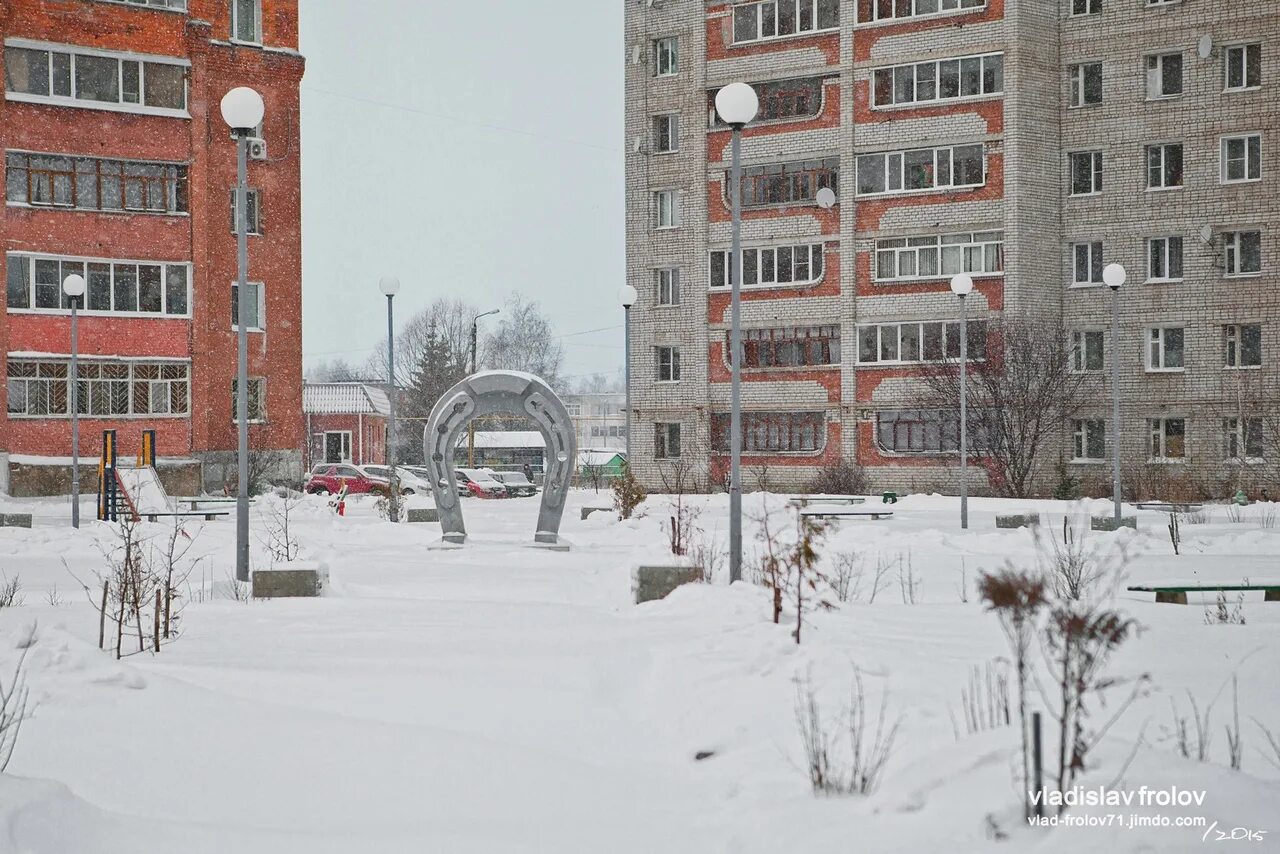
x: 345, y: 423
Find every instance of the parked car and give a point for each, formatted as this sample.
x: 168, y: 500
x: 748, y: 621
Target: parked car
x: 410, y: 482
x: 515, y: 482
x: 480, y: 484
x: 328, y: 478
x: 425, y: 476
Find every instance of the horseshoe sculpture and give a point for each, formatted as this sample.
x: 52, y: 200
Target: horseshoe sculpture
x: 509, y: 392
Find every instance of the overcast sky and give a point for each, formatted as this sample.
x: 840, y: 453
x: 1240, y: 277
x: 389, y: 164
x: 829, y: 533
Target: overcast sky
x: 471, y: 149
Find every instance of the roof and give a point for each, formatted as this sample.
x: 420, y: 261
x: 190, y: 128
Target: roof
x: 506, y: 439
x: 344, y: 399
x: 599, y: 458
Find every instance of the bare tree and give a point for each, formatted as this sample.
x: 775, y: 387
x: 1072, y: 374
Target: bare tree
x: 13, y: 701
x: 524, y: 340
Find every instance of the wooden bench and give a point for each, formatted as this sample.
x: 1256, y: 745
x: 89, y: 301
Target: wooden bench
x: 194, y: 503
x: 209, y: 515
x: 817, y: 511
x: 806, y: 500
x: 1177, y: 595
x: 1169, y: 506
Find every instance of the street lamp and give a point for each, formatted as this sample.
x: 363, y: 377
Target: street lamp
x: 737, y: 105
x: 627, y: 296
x: 961, y: 286
x: 471, y: 425
x: 390, y: 286
x: 242, y: 110
x: 73, y: 287
x: 1114, y: 276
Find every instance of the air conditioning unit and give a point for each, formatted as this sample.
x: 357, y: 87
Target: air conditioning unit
x: 257, y: 148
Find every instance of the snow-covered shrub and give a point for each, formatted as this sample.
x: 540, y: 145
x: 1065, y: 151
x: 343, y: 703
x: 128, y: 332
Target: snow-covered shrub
x: 10, y: 589
x: 13, y: 701
x: 843, y: 478
x: 628, y: 494
x: 847, y: 755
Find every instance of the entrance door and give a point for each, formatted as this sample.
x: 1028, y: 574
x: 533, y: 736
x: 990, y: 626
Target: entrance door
x: 337, y: 447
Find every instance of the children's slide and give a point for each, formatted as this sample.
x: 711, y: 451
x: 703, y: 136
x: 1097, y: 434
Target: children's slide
x: 143, y: 490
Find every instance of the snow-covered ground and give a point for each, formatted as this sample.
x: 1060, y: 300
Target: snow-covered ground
x: 500, y: 698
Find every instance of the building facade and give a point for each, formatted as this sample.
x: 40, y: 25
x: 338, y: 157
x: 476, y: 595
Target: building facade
x: 119, y: 167
x: 599, y: 420
x: 1025, y: 142
x: 346, y: 423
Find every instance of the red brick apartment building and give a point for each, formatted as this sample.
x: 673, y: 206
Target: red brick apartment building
x: 119, y: 167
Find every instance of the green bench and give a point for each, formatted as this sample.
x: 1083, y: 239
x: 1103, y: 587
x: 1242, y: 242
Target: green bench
x: 1178, y: 595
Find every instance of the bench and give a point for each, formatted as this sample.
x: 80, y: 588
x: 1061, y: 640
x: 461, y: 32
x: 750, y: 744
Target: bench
x: 806, y: 500
x: 587, y: 511
x: 818, y: 511
x: 1177, y: 595
x: 209, y: 515
x: 1169, y: 506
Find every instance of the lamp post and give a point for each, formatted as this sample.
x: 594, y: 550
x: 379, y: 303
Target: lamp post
x: 1114, y: 275
x: 471, y: 425
x: 73, y: 287
x: 737, y: 105
x: 627, y: 296
x: 242, y: 110
x: 961, y: 286
x: 390, y: 286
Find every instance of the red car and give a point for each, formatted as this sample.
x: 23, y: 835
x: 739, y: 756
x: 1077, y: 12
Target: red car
x: 329, y: 478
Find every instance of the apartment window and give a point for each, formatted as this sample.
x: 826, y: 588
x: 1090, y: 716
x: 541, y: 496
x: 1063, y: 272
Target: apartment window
x: 1242, y: 439
x: 780, y: 18
x: 666, y: 440
x: 773, y: 432
x: 668, y: 364
x: 790, y: 99
x: 1086, y: 263
x: 922, y: 169
x: 666, y: 133
x: 1243, y: 345
x: 1087, y: 348
x: 254, y: 212
x: 788, y: 183
x: 794, y: 347
x: 918, y: 431
x: 1241, y: 158
x: 930, y: 341
x: 1164, y: 259
x: 667, y: 208
x: 246, y: 21
x: 34, y: 282
x: 1164, y: 166
x: 62, y: 75
x: 1168, y: 438
x: 1086, y: 172
x: 1164, y: 75
x: 931, y: 256
x: 1090, y: 439
x: 1242, y: 252
x: 1242, y: 67
x: 41, y: 389
x: 255, y: 307
x: 666, y: 286
x: 1165, y: 348
x: 89, y: 183
x: 940, y: 80
x: 770, y: 266
x: 666, y: 56
x: 883, y: 10
x: 1086, y: 7
x: 1086, y: 84
x: 257, y: 399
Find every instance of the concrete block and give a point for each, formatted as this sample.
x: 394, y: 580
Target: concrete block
x: 587, y: 511
x: 290, y: 580
x: 1023, y: 520
x: 1108, y: 523
x: 424, y: 514
x: 15, y: 520
x: 655, y: 582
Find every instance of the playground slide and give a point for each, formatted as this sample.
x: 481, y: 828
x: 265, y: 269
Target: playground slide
x: 144, y: 490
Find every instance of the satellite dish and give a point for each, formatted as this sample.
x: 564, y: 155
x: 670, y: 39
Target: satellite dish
x: 1206, y: 234
x: 826, y: 198
x: 1205, y: 46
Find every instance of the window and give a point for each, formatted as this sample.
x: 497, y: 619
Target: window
x: 1241, y: 158
x: 35, y: 282
x: 668, y: 364
x: 882, y: 10
x: 1164, y: 75
x: 1242, y: 252
x: 666, y: 133
x: 1164, y: 259
x: 1090, y: 439
x: 773, y: 432
x: 800, y: 98
x: 934, y: 256
x: 922, y: 169
x: 1164, y: 166
x: 1086, y: 84
x: 918, y: 431
x: 246, y: 21
x: 930, y: 341
x: 88, y: 183
x: 1086, y: 172
x: 1086, y: 7
x: 1242, y: 67
x: 666, y: 441
x: 1086, y: 263
x: 254, y: 198
x: 769, y: 266
x: 795, y: 347
x: 1087, y: 348
x: 1243, y: 345
x: 665, y: 56
x: 255, y: 309
x: 1165, y: 348
x: 667, y: 208
x: 788, y: 183
x: 62, y: 75
x: 1168, y: 438
x: 780, y: 18
x: 105, y: 387
x: 666, y: 286
x: 1242, y: 439
x: 257, y: 402
x: 939, y: 80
